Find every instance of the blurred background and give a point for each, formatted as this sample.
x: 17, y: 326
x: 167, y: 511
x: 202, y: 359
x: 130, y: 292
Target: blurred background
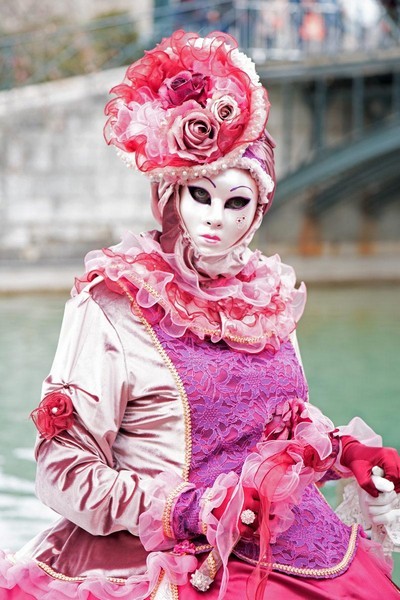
x: 332, y: 70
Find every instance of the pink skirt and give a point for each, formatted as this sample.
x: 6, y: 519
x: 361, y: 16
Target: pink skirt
x: 366, y: 579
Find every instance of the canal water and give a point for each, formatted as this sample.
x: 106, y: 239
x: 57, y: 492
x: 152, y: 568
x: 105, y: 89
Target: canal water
x: 349, y: 339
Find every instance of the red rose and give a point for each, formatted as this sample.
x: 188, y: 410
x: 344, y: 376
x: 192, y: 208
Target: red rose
x: 184, y: 86
x: 285, y: 418
x: 53, y: 415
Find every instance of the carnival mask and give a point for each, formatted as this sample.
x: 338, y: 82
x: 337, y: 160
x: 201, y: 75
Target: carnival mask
x: 218, y: 211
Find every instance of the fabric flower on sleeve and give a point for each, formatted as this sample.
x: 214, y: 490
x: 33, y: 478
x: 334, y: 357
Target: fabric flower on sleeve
x: 53, y: 415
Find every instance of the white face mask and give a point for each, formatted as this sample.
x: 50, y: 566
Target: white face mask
x: 218, y: 211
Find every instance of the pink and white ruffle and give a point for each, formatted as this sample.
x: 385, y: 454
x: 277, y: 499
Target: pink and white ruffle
x: 256, y: 309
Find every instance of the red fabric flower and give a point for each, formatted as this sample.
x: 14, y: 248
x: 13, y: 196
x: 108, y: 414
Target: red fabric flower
x: 184, y: 86
x: 53, y: 415
x: 285, y: 418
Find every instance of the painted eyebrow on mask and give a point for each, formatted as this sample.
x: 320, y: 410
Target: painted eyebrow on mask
x: 241, y: 186
x: 211, y: 181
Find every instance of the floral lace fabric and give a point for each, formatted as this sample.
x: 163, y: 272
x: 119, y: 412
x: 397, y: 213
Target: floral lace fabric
x: 318, y: 539
x: 232, y: 395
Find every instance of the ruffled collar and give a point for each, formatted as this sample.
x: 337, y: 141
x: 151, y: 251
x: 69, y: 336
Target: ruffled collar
x: 255, y: 309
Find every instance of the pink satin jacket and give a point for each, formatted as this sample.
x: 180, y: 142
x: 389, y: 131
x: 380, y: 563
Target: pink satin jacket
x: 147, y: 404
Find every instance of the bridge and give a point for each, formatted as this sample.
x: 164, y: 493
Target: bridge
x: 339, y: 61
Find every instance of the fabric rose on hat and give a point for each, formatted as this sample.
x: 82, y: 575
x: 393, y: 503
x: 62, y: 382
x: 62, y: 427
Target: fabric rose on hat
x: 193, y: 134
x: 184, y: 86
x: 53, y: 415
x: 224, y: 109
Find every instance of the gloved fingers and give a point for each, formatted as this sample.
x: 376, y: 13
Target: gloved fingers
x: 389, y: 461
x: 388, y: 518
x: 382, y: 484
x: 383, y: 499
x: 378, y: 471
x: 362, y: 474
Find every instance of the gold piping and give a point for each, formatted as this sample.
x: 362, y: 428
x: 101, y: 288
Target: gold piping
x: 174, y: 589
x: 160, y: 578
x: 62, y: 577
x: 203, y: 548
x: 171, y: 367
x: 310, y: 572
x: 212, y: 565
x: 207, y: 497
x: 336, y: 569
x: 166, y: 518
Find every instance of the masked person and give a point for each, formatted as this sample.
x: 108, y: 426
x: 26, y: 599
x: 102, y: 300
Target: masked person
x: 176, y: 439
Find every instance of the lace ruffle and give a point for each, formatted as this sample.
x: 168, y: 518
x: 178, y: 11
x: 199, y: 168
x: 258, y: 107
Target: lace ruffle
x: 163, y: 491
x: 387, y: 537
x: 254, y: 310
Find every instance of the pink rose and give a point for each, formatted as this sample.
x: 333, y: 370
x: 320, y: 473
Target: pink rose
x: 284, y: 420
x: 225, y: 109
x: 193, y: 135
x: 53, y: 415
x: 184, y: 86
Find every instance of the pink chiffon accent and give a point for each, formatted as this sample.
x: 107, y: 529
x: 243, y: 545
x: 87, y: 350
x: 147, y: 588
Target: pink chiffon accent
x: 213, y: 498
x: 151, y: 530
x: 25, y: 580
x: 358, y: 429
x: 260, y: 304
x: 279, y: 470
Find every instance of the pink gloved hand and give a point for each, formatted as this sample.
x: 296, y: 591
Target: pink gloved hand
x: 251, y: 502
x: 360, y: 459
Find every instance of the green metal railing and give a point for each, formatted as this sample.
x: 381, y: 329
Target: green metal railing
x: 268, y: 30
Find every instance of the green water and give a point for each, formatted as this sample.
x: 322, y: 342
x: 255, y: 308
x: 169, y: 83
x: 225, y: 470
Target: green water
x: 349, y: 340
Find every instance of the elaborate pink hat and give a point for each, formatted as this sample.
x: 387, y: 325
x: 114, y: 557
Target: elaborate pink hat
x: 193, y: 107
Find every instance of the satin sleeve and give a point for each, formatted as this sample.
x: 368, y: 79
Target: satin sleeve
x: 76, y: 471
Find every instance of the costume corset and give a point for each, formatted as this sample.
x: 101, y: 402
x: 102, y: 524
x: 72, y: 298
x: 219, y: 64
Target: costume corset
x: 231, y: 397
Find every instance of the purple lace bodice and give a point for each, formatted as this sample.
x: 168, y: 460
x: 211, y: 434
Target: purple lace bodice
x: 231, y: 396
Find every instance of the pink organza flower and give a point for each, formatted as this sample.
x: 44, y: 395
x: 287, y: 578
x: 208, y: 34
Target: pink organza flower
x: 53, y: 415
x: 286, y: 417
x: 193, y: 133
x: 184, y: 86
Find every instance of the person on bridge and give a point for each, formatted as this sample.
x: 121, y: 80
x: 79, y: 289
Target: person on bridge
x: 176, y: 438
